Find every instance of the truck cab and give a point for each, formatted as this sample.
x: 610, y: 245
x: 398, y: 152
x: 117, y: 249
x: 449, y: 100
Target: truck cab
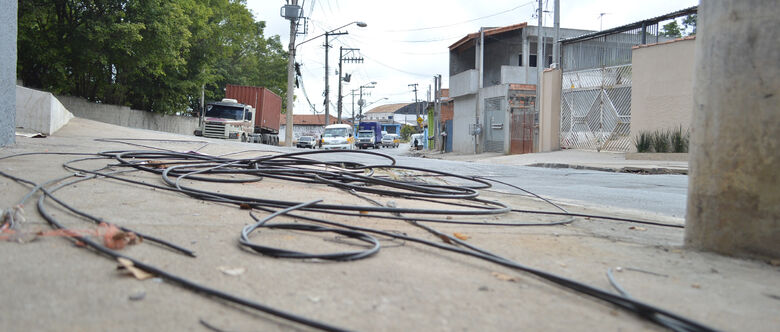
x: 338, y: 137
x: 369, y: 135
x: 228, y: 120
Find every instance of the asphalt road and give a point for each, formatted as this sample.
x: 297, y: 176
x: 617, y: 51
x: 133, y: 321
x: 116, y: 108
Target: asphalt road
x: 654, y: 195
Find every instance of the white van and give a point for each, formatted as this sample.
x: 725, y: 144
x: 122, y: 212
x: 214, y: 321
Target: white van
x: 338, y: 137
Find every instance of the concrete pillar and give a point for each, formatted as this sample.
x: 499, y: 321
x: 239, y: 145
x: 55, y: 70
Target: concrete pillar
x: 8, y: 10
x: 550, y: 111
x: 734, y: 187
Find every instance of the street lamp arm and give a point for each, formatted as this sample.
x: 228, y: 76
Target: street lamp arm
x: 359, y: 23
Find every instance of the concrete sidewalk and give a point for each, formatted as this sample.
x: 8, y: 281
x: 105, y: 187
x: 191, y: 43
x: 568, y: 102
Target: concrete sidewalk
x: 578, y: 159
x: 51, y: 284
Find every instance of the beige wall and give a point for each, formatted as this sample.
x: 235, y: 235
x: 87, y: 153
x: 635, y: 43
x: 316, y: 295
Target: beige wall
x: 550, y: 111
x: 662, y: 86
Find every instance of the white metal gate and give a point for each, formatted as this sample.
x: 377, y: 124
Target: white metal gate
x: 596, y: 109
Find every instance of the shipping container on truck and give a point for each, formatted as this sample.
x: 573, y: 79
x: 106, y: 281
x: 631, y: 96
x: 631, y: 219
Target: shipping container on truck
x: 267, y: 105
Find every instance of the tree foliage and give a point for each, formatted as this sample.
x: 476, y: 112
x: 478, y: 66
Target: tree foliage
x: 671, y: 30
x: 151, y: 55
x: 677, y: 30
x: 689, y: 22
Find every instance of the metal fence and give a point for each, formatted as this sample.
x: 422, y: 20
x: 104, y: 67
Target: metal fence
x: 596, y: 86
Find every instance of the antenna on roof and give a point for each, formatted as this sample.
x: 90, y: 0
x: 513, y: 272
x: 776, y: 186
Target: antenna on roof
x: 601, y: 20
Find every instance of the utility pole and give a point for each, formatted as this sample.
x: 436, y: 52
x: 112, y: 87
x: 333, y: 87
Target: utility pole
x: 416, y: 105
x: 346, y: 78
x: 362, y: 102
x: 352, y: 92
x: 291, y: 12
x: 327, y: 74
x: 539, y: 57
x: 436, y: 111
x: 557, y: 24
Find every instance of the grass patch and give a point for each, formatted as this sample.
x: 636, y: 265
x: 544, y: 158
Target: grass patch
x: 661, y: 141
x: 680, y: 140
x: 643, y: 142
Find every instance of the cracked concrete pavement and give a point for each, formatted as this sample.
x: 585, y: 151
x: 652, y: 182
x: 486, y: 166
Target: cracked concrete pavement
x: 51, y: 284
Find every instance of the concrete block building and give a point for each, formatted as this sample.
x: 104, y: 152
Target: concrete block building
x: 493, y: 87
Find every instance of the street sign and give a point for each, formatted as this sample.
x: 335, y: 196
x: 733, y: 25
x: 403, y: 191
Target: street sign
x: 420, y: 120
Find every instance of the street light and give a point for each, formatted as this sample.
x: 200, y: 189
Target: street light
x: 375, y: 101
x: 291, y: 73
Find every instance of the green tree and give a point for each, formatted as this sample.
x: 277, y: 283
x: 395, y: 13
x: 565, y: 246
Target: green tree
x: 152, y: 55
x: 407, y: 131
x: 671, y: 29
x: 689, y: 22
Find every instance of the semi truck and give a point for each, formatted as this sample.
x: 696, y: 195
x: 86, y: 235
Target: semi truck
x: 248, y: 114
x: 228, y: 119
x: 369, y: 135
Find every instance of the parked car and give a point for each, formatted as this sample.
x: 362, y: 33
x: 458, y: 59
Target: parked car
x: 390, y: 140
x: 306, y: 142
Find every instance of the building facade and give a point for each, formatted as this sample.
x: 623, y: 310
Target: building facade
x: 305, y: 125
x: 493, y: 109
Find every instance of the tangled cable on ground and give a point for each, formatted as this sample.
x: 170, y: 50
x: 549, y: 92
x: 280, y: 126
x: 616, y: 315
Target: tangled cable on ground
x: 181, y: 173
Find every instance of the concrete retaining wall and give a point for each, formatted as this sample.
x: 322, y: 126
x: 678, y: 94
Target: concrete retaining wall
x: 127, y: 117
x: 662, y: 86
x: 40, y: 111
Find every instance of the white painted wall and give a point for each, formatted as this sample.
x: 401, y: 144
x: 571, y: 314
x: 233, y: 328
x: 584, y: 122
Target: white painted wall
x: 301, y: 130
x: 40, y: 111
x: 662, y: 86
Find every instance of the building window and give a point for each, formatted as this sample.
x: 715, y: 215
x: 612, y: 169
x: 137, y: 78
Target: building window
x: 520, y: 60
x: 532, y: 60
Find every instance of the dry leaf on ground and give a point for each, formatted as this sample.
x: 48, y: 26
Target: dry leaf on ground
x: 504, y: 277
x: 126, y: 264
x: 232, y: 271
x: 461, y: 236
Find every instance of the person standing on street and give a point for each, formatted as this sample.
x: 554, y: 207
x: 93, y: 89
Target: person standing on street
x: 443, y: 138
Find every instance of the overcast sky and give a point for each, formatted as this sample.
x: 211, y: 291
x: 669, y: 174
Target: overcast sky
x: 407, y: 41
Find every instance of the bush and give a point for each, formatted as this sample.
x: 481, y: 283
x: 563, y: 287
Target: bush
x: 680, y: 140
x: 660, y: 141
x: 643, y: 142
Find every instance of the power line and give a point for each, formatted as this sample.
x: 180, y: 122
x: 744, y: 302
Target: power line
x: 463, y: 22
x: 396, y: 69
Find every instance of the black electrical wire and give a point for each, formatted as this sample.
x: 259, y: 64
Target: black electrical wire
x: 186, y: 283
x: 96, y: 220
x: 345, y: 175
x: 282, y: 253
